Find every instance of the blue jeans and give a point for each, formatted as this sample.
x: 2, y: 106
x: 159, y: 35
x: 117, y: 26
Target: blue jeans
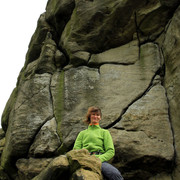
x: 110, y: 172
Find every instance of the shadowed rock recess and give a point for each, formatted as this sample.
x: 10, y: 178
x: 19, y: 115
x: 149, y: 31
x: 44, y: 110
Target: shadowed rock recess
x: 120, y: 55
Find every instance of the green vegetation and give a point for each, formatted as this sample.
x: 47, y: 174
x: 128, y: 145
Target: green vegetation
x: 59, y: 102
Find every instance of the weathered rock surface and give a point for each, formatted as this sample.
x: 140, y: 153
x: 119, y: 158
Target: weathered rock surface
x: 75, y: 164
x: 32, y: 109
x: 145, y: 127
x: 122, y: 56
x: 57, y: 169
x: 126, y: 54
x: 29, y: 168
x: 2, y: 140
x: 172, y: 80
x: 46, y: 141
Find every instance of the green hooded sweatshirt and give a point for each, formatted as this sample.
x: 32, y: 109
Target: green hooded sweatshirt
x: 96, y: 139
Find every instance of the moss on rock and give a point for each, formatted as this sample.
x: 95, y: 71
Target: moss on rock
x: 8, y: 108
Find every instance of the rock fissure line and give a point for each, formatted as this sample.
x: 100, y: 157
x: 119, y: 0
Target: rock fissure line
x: 167, y: 26
x: 170, y: 120
x: 136, y: 99
x: 50, y: 93
x: 37, y: 131
x: 123, y: 64
x: 116, y: 63
x: 89, y: 58
x: 172, y: 130
x: 28, y: 98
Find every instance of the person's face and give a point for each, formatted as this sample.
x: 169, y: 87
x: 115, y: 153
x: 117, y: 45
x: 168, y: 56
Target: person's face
x: 95, y: 117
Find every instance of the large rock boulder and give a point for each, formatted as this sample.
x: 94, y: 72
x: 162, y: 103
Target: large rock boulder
x: 29, y: 168
x: 32, y: 109
x: 144, y: 136
x: 122, y: 56
x: 96, y: 26
x: 171, y: 51
x: 76, y: 164
x: 46, y: 141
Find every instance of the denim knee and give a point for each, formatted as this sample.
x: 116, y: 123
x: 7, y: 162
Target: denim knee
x: 110, y: 172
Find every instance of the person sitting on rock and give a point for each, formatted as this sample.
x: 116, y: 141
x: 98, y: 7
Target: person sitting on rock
x: 98, y: 142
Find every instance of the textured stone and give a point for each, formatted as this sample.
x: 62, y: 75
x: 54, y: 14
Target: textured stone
x: 60, y: 59
x: 29, y: 168
x: 2, y: 144
x: 96, y: 26
x: 172, y: 80
x: 150, y: 116
x: 94, y: 23
x: 57, y: 169
x: 37, y: 39
x: 172, y: 3
x: 46, y: 61
x: 81, y: 158
x: 3, y: 175
x: 58, y: 13
x: 85, y: 174
x: 137, y: 154
x: 76, y: 164
x: 130, y: 81
x: 32, y: 109
x: 2, y: 133
x: 101, y: 87
x: 151, y: 19
x: 144, y: 133
x: 80, y: 82
x: 8, y: 108
x: 127, y: 54
x: 102, y: 53
x: 46, y: 141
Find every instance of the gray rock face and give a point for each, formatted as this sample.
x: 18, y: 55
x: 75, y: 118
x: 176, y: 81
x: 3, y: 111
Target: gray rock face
x: 172, y: 79
x: 126, y: 54
x: 32, y: 109
x: 29, y: 168
x: 93, y: 25
x: 122, y: 56
x: 46, y: 141
x: 76, y: 164
x: 145, y: 129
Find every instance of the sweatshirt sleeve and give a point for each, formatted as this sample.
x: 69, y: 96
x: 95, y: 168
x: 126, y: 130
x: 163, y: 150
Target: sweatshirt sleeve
x: 78, y: 143
x: 108, y: 147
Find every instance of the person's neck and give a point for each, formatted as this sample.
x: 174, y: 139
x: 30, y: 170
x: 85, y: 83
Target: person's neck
x: 93, y: 124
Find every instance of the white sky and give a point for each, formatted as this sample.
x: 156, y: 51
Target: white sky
x: 18, y: 21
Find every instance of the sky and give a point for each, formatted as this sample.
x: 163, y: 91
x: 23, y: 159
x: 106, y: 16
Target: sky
x: 18, y: 21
